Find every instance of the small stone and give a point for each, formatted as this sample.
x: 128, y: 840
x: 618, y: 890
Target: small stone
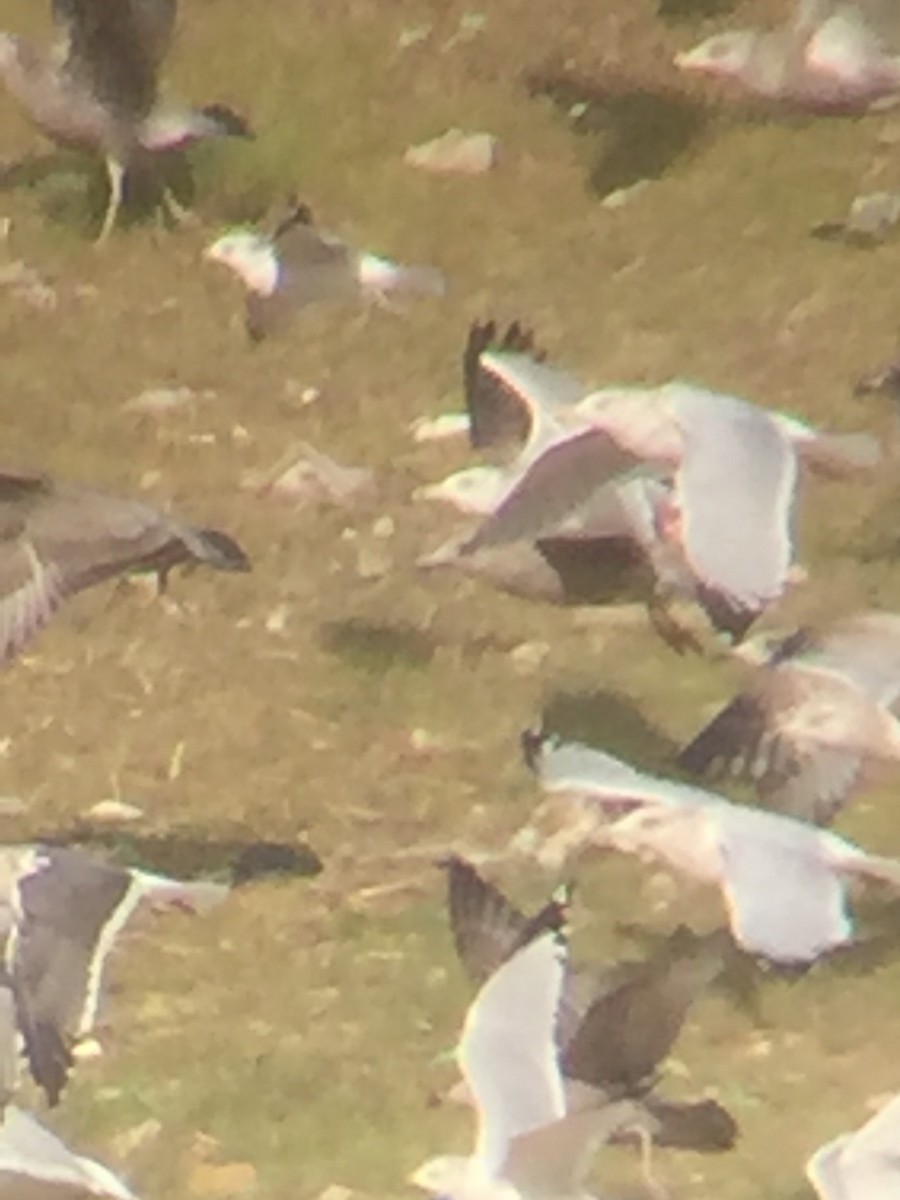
x: 276, y: 621
x: 130, y: 1140
x: 622, y: 196
x: 12, y: 806
x: 87, y: 1049
x: 114, y: 812
x: 436, y: 429
x: 373, y: 561
x: 455, y: 153
x: 312, y: 479
x: 383, y: 528
x: 335, y: 1191
x: 222, y: 1180
x: 528, y: 656
x: 414, y: 36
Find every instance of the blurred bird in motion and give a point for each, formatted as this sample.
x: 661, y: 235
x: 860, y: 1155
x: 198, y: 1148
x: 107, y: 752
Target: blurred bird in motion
x: 862, y: 1165
x: 299, y: 264
x: 56, y: 539
x: 830, y: 56
x: 814, y: 717
x: 99, y: 91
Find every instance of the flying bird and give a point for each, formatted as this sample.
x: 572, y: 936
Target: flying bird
x: 615, y: 1024
x: 67, y: 910
x: 527, y: 1145
x: 56, y: 539
x: 300, y: 264
x: 812, y: 719
x: 784, y: 881
x: 831, y: 56
x: 863, y: 1165
x: 99, y: 90
x: 36, y: 1165
x: 730, y: 465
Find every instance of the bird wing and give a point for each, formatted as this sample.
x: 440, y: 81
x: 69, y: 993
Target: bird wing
x: 784, y: 897
x: 508, y: 1052
x: 511, y: 393
x: 861, y: 1164
x: 559, y: 481
x: 31, y: 1155
x: 735, y: 489
x: 115, y: 50
x: 790, y: 774
x: 486, y: 927
x: 632, y: 1026
x: 554, y: 1159
x: 69, y: 910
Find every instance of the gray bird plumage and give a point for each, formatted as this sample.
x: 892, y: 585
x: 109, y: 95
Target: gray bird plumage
x: 58, y: 538
x: 100, y: 91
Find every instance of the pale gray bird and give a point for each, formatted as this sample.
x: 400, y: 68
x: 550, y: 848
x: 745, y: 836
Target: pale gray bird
x: 99, y: 91
x: 784, y: 881
x: 36, y: 1165
x: 616, y: 1024
x: 527, y: 1145
x: 830, y: 56
x: 58, y: 538
x: 67, y: 910
x: 812, y: 718
x: 300, y: 264
x: 732, y: 465
x: 863, y: 1165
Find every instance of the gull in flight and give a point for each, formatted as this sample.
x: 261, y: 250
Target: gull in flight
x: 615, y: 1024
x: 65, y: 910
x: 56, y: 539
x: 784, y: 881
x: 300, y: 264
x: 863, y: 1165
x: 812, y: 719
x: 527, y: 1145
x: 100, y: 90
x: 676, y: 468
x: 831, y: 56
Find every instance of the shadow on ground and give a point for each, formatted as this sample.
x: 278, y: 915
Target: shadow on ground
x: 609, y: 721
x: 188, y: 854
x: 640, y: 132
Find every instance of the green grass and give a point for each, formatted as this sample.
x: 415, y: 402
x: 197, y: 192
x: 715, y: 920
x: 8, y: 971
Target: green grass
x: 299, y: 1026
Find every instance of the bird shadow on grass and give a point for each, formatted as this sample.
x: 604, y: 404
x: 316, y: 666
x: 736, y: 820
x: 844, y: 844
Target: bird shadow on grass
x: 639, y: 131
x: 694, y: 10
x: 375, y: 647
x: 190, y: 854
x: 607, y: 721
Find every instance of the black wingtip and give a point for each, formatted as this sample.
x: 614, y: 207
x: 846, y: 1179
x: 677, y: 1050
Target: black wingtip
x: 223, y: 552
x: 230, y: 123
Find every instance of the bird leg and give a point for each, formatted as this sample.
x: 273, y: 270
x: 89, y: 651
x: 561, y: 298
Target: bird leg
x: 645, y: 1140
x: 175, y: 209
x: 116, y: 172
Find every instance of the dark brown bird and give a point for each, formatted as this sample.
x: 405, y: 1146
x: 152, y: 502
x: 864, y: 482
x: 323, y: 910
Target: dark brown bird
x: 616, y: 1023
x: 57, y: 539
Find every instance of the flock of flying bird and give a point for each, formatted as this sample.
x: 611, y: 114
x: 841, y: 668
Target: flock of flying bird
x: 585, y: 488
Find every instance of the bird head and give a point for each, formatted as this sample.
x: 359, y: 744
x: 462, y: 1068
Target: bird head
x: 250, y: 255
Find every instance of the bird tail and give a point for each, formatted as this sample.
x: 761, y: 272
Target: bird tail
x: 219, y: 550
x: 382, y: 276
x: 841, y: 454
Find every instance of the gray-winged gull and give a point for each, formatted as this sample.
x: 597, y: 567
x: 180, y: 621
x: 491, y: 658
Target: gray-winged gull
x: 300, y: 264
x: 832, y: 55
x: 733, y: 466
x: 784, y: 881
x: 811, y: 718
x: 616, y: 1024
x: 36, y: 1165
x: 59, y: 538
x: 100, y: 92
x: 863, y: 1165
x: 527, y: 1146
x: 67, y: 909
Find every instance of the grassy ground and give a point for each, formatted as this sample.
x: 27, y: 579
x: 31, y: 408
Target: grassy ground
x: 296, y: 1030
